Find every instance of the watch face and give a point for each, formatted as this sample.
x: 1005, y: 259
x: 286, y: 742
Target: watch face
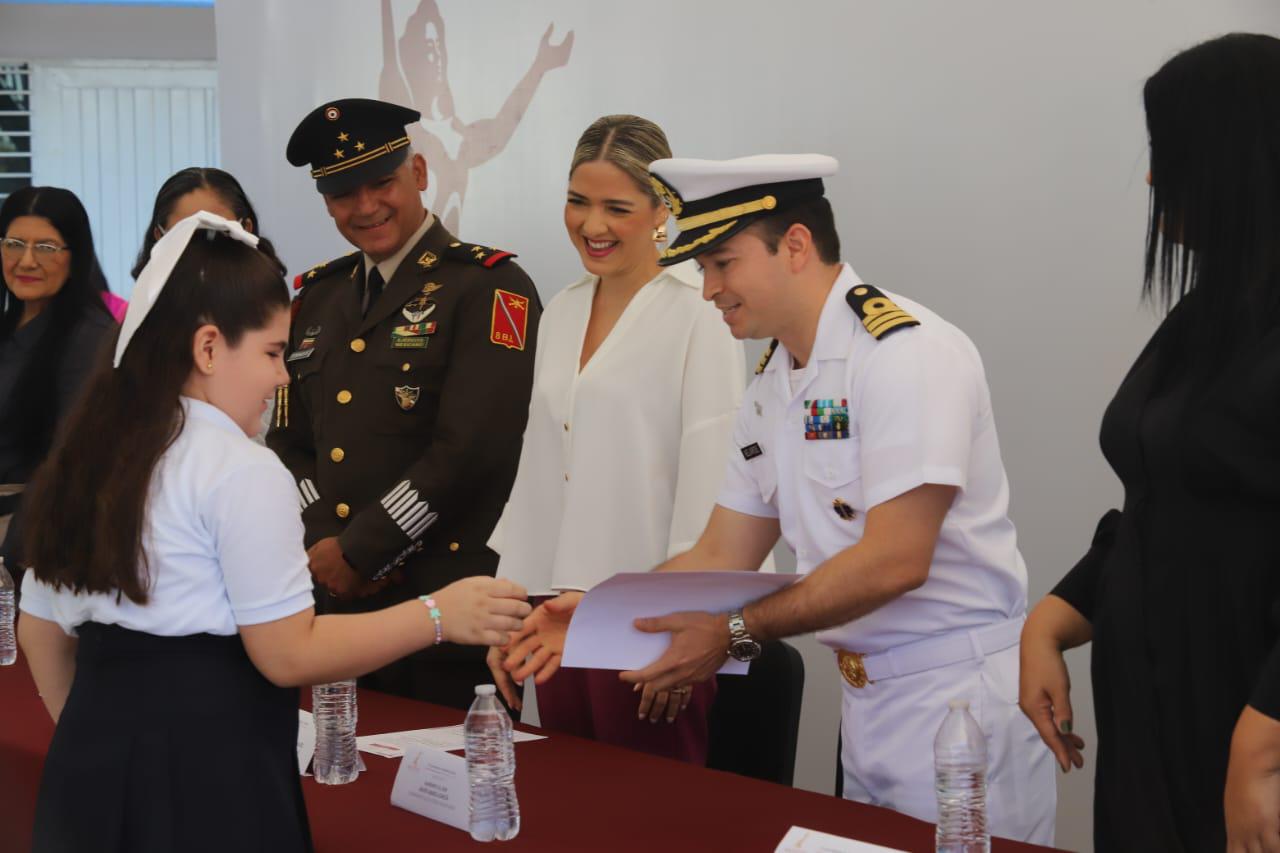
x: 744, y: 650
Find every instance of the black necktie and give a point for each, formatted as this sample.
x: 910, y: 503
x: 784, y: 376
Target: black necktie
x: 372, y: 289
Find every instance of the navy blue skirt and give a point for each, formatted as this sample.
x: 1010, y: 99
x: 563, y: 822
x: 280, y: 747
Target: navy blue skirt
x: 171, y: 744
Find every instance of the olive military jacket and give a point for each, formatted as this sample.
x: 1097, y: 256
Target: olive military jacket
x: 403, y: 427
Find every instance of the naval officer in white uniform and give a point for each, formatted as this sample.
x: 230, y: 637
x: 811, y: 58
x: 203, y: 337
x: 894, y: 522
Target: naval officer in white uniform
x: 867, y: 441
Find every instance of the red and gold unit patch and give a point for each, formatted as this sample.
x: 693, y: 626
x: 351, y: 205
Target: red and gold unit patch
x: 510, y: 319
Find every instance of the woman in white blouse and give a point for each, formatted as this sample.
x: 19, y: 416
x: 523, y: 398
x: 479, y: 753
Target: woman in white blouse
x: 168, y: 617
x: 636, y: 383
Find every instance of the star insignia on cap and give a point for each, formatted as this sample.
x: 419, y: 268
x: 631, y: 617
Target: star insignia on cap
x: 343, y: 137
x: 339, y: 153
x: 359, y: 146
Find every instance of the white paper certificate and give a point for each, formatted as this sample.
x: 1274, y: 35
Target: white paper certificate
x: 602, y: 634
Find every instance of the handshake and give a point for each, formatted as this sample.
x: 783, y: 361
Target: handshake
x: 529, y: 641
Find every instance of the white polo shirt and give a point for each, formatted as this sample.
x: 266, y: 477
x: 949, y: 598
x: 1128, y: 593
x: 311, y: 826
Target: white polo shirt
x: 919, y: 411
x: 222, y: 535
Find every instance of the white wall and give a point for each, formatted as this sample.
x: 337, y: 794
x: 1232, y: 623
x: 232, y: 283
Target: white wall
x: 992, y: 151
x: 86, y: 31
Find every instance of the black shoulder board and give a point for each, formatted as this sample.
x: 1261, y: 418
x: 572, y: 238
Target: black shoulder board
x: 879, y: 314
x: 483, y: 255
x: 768, y: 354
x: 338, y: 265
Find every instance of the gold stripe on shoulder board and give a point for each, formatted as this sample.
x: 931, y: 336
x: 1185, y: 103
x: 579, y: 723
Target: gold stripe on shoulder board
x: 768, y: 354
x: 879, y: 314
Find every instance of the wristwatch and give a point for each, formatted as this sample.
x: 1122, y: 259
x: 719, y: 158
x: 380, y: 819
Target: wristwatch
x: 742, y: 646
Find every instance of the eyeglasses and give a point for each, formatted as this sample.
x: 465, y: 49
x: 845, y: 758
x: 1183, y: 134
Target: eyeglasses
x: 12, y: 247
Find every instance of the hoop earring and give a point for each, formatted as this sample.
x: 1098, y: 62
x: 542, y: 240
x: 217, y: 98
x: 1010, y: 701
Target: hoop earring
x: 660, y: 233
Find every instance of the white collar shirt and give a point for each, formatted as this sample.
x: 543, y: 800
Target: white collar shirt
x: 621, y: 460
x: 919, y: 411
x: 223, y: 540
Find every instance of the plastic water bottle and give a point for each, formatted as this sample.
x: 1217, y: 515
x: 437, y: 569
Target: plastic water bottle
x: 491, y: 768
x: 8, y: 643
x: 334, y: 706
x: 960, y: 771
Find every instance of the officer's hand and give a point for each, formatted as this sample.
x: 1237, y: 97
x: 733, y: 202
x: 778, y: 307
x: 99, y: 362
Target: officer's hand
x: 1251, y: 801
x: 502, y: 678
x: 332, y: 571
x: 699, y: 647
x: 481, y: 611
x: 537, y: 649
x: 655, y: 704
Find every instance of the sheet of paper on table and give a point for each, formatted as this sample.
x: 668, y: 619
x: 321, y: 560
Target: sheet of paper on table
x: 443, y: 738
x: 801, y: 840
x: 602, y: 634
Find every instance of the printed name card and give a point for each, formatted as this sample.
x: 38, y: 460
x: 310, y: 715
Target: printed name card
x: 306, y: 740
x: 433, y: 784
x: 801, y: 840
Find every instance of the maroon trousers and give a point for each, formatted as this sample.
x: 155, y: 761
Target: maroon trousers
x: 596, y: 704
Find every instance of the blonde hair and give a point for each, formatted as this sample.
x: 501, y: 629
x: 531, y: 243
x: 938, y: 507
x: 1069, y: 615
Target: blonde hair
x: 629, y: 142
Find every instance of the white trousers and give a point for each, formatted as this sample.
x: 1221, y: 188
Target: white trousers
x: 888, y: 729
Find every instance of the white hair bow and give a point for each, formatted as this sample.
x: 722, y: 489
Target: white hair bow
x: 164, y: 257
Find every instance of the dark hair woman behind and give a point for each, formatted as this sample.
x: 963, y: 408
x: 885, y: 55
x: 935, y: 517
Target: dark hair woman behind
x: 1180, y: 591
x: 199, y: 188
x: 52, y: 323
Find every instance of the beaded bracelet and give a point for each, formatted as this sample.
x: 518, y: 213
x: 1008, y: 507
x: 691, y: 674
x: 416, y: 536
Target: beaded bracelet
x: 434, y: 611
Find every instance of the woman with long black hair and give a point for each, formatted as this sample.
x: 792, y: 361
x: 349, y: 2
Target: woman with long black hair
x: 52, y: 322
x: 1180, y: 591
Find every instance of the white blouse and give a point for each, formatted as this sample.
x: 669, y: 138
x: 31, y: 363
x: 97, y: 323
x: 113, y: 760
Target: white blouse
x: 223, y: 540
x: 621, y: 461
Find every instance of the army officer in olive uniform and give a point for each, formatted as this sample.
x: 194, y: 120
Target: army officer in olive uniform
x: 411, y: 363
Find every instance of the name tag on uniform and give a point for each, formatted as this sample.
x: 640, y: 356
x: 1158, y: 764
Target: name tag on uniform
x: 412, y: 336
x: 825, y: 419
x: 306, y: 349
x: 751, y: 451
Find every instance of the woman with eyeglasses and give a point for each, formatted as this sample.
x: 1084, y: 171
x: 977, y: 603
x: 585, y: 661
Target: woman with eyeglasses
x: 192, y: 189
x: 52, y: 322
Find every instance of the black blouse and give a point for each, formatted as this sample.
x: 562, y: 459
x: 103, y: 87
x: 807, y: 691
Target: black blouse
x: 84, y: 341
x: 1182, y: 587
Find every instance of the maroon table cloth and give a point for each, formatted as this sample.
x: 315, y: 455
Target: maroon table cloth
x: 575, y: 795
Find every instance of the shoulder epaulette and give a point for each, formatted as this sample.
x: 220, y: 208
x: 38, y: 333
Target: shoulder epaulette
x: 879, y: 314
x: 483, y: 255
x: 768, y: 354
x: 347, y: 260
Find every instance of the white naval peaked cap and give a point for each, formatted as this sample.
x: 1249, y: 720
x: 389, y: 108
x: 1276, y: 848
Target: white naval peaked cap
x: 714, y: 199
x: 699, y: 179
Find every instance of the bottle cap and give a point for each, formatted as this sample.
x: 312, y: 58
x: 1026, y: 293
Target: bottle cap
x: 486, y: 690
x: 956, y: 704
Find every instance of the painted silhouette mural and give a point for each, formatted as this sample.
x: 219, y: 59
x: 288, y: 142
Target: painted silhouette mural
x: 415, y: 73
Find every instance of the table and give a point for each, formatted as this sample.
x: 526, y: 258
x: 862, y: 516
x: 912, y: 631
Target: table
x: 575, y: 795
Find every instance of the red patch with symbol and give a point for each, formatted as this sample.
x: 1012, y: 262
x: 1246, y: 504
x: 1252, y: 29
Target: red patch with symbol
x: 510, y: 319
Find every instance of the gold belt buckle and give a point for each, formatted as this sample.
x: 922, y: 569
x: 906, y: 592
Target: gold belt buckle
x: 852, y: 669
